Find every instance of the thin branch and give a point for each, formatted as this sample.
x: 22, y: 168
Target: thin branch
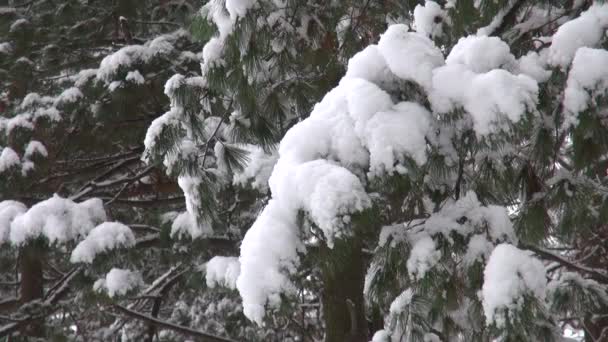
x: 597, y: 274
x: 204, y: 337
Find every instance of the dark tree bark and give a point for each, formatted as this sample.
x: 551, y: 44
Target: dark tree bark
x: 32, y: 283
x: 343, y: 303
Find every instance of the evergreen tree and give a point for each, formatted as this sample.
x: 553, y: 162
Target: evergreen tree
x: 321, y: 170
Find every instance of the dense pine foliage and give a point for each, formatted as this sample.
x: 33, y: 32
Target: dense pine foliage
x: 288, y: 170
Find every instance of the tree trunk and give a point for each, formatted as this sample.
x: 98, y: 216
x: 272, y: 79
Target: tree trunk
x: 343, y: 304
x: 31, y: 286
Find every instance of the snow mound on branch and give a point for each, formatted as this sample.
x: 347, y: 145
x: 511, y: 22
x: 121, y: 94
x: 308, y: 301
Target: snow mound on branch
x: 104, y: 237
x: 222, y: 271
x: 185, y: 224
x: 8, y: 211
x: 401, y: 302
x: 428, y: 19
x: 58, y: 219
x: 585, y: 31
x: 495, y: 218
x: 70, y: 95
x: 534, y: 65
x: 35, y: 147
x: 8, y: 159
x: 118, y: 282
x: 370, y: 65
x: 588, y: 77
x: 423, y: 256
x: 258, y: 168
x: 270, y: 246
x: 491, y: 98
x: 510, y: 274
x: 410, y: 56
x: 473, y: 79
x: 191, y: 187
x: 381, y: 336
x: 481, y: 53
x: 133, y: 55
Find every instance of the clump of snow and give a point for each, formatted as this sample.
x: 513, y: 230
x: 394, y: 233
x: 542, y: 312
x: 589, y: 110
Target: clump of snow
x: 479, y: 247
x: 269, y: 248
x: 258, y: 168
x: 585, y: 31
x: 410, y: 56
x: 386, y: 141
x: 370, y: 65
x: 133, y: 55
x: 84, y: 76
x: 423, y: 257
x: 69, y: 95
x: 190, y: 187
x: 212, y: 51
x: 224, y: 14
x: 238, y: 8
x: 135, y: 77
x: 400, y: 303
x: 429, y: 19
x: 222, y: 271
x: 104, y: 237
x: 186, y: 224
x: 588, y: 77
x: 118, y: 282
x: 6, y: 48
x: 8, y: 211
x: 481, y: 54
x: 58, y: 219
x: 156, y: 128
x: 490, y: 98
x: 495, y: 218
x: 533, y: 64
x: 509, y: 274
x: 35, y: 147
x: 18, y: 24
x: 472, y: 79
x: 8, y: 159
x: 381, y: 336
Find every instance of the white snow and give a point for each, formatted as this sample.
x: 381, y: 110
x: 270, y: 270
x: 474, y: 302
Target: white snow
x: 423, y: 257
x: 135, y: 77
x: 35, y: 147
x: 69, y: 95
x: 534, y: 65
x: 6, y: 48
x: 222, y: 271
x: 185, y: 224
x: 400, y: 303
x: 509, y: 274
x: 8, y: 211
x: 370, y: 65
x: 588, y: 77
x: 481, y: 54
x: 190, y: 187
x: 492, y: 99
x: 8, y: 159
x: 258, y: 168
x: 118, y: 282
x: 410, y: 56
x: 429, y: 19
x: 478, y: 248
x: 585, y: 31
x: 104, y: 237
x: 269, y: 248
x: 58, y: 219
x: 381, y: 336
x: 238, y: 8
